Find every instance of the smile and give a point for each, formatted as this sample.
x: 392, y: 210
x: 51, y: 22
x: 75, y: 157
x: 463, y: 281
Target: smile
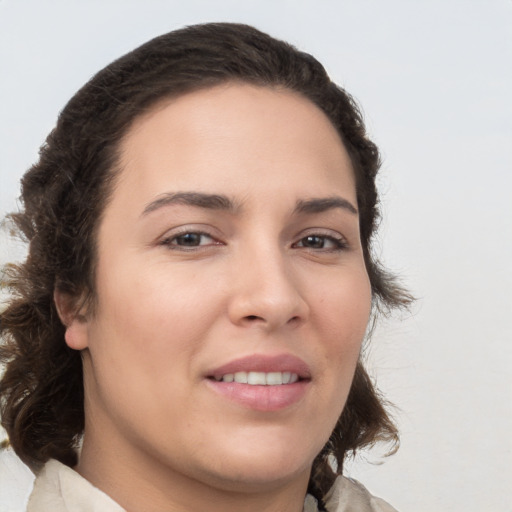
x: 259, y: 378
x: 261, y: 382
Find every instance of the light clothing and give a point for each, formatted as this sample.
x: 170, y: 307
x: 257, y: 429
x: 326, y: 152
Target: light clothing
x: 58, y: 488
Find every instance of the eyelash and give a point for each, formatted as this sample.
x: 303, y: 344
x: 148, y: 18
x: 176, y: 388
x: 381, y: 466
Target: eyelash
x: 339, y: 242
x: 168, y: 242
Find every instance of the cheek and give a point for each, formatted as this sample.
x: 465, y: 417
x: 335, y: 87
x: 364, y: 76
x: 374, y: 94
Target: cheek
x: 142, y: 341
x: 149, y: 323
x: 344, y: 309
x: 156, y: 303
x: 340, y: 319
x: 343, y: 315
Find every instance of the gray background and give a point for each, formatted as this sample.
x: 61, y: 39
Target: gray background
x: 435, y: 82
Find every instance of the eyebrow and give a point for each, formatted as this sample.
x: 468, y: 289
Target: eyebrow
x: 222, y: 202
x: 209, y: 201
x: 322, y: 204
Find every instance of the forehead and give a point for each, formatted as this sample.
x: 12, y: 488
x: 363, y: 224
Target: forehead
x: 222, y: 137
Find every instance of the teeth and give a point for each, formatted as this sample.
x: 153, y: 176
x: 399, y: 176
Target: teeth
x: 256, y: 378
x: 240, y: 377
x: 274, y: 379
x: 260, y: 378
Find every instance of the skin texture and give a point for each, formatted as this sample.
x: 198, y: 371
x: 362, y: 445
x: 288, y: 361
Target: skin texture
x: 158, y: 435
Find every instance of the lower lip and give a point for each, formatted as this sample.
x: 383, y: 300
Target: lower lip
x: 261, y: 398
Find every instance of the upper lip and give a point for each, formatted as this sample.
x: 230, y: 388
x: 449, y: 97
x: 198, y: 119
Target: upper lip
x: 264, y: 363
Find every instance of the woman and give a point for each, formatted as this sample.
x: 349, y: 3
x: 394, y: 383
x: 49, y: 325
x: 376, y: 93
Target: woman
x: 185, y: 332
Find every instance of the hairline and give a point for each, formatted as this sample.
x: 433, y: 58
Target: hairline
x: 115, y: 170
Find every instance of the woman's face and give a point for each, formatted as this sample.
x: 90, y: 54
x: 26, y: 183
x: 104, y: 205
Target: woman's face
x: 232, y: 292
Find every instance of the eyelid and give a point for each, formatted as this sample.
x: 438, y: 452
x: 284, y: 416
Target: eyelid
x: 336, y: 237
x: 167, y: 239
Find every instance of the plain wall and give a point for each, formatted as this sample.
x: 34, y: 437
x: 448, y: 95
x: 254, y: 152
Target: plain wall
x: 434, y: 79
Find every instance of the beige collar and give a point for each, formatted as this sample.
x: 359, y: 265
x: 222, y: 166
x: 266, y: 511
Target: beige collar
x: 58, y: 488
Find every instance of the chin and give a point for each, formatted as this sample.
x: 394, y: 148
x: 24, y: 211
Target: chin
x: 264, y: 465
x: 258, y: 477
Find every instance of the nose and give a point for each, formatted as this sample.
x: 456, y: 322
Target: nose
x: 267, y: 292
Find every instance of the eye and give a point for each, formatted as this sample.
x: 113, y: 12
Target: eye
x: 189, y: 239
x: 322, y: 242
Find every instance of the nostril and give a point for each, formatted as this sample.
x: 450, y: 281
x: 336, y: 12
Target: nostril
x: 294, y: 321
x: 256, y: 318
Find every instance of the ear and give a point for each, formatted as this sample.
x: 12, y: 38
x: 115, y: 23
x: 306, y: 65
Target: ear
x: 73, y: 318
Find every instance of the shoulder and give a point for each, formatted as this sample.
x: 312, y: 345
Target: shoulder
x: 16, y: 481
x: 58, y: 488
x: 347, y: 494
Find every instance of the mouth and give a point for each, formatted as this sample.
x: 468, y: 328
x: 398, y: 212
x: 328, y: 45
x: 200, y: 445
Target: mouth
x: 262, y: 382
x: 254, y: 378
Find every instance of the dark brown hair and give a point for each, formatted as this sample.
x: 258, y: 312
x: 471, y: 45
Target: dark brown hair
x: 65, y: 193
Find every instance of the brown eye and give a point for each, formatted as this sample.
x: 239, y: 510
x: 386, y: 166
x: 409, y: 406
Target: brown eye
x: 189, y: 239
x: 322, y: 242
x: 313, y: 242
